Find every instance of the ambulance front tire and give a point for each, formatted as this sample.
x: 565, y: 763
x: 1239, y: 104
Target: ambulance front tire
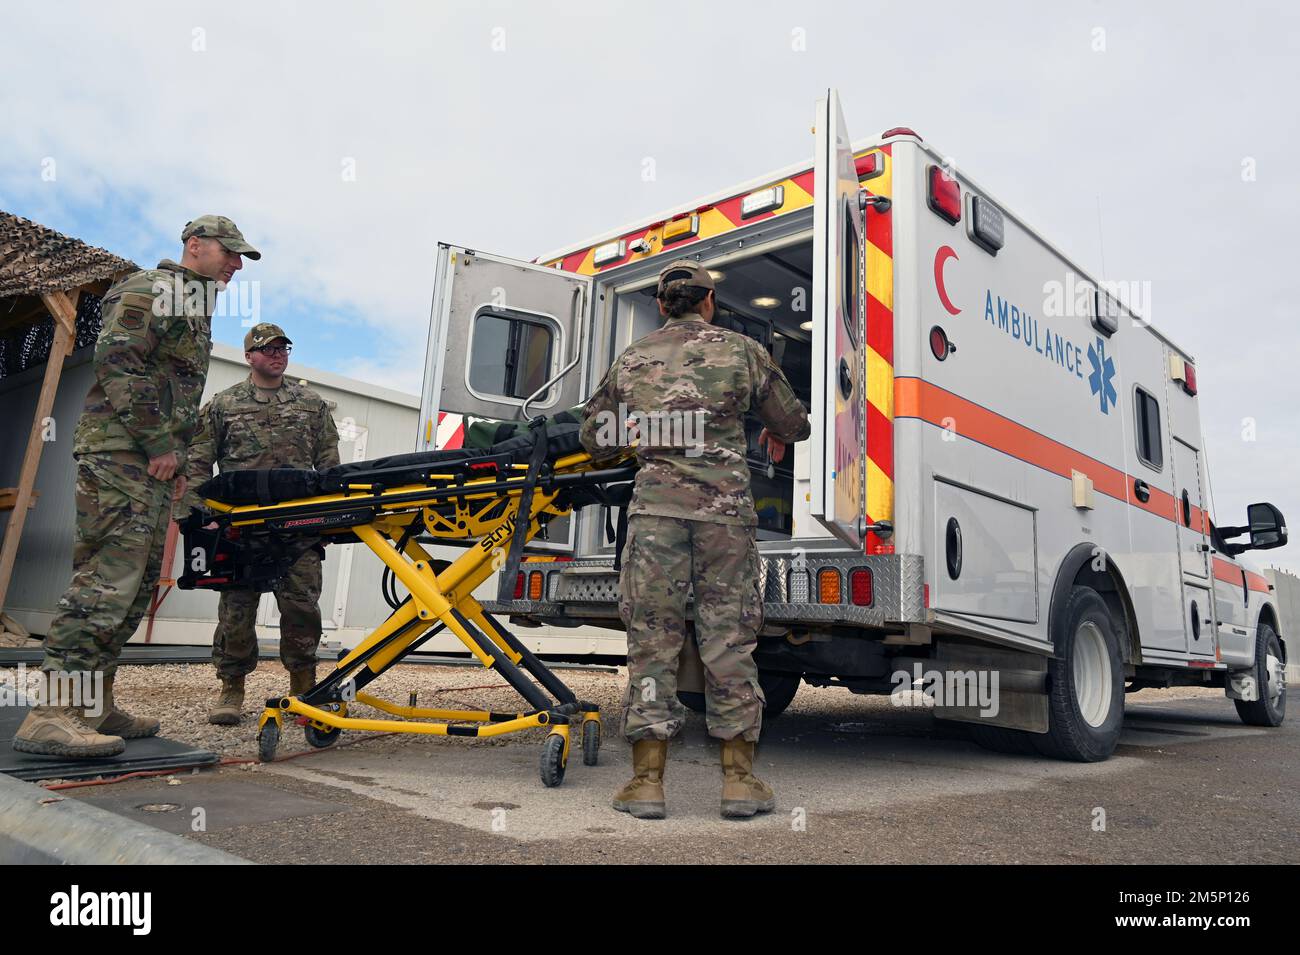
x: 1270, y: 708
x: 778, y: 689
x: 1085, y: 694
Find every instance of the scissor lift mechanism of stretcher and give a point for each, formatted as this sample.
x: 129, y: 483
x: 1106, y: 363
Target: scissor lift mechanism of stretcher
x: 449, y: 504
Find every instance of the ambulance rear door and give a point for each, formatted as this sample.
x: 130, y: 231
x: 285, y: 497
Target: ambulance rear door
x: 838, y: 445
x: 507, y: 340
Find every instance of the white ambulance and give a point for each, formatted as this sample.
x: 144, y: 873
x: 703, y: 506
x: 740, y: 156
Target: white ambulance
x: 1005, y: 480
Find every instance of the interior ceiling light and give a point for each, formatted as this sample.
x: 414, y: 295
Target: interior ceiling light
x: 806, y: 326
x: 716, y: 275
x: 765, y: 301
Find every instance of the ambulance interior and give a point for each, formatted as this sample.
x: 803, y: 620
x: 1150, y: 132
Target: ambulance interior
x: 767, y: 296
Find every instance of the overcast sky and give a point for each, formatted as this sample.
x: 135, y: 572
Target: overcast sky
x: 1154, y: 142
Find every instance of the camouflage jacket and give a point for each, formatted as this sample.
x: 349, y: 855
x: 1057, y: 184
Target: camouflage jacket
x: 240, y: 429
x: 151, y: 362
x: 689, y: 386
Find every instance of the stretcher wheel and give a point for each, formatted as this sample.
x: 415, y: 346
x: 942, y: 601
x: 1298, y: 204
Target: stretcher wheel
x: 321, y: 738
x: 590, y: 742
x: 553, y: 760
x: 267, y: 741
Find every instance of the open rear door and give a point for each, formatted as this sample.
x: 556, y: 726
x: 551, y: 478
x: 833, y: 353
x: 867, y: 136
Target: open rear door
x: 502, y: 334
x: 838, y: 451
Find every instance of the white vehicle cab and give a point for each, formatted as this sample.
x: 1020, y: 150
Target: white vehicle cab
x: 1005, y: 480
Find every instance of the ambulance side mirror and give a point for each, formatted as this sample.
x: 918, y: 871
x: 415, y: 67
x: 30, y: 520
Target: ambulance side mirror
x: 1267, y: 526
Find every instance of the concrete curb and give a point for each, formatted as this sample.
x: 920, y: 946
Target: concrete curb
x: 70, y: 832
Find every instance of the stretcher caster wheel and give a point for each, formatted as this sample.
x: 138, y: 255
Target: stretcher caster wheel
x: 321, y: 738
x: 590, y: 742
x: 267, y: 741
x: 553, y: 760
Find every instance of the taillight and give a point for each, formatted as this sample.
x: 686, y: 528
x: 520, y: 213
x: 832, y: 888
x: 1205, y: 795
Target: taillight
x: 860, y: 587
x: 519, y: 586
x: 798, y: 586
x: 828, y: 585
x: 945, y: 195
x: 535, y: 585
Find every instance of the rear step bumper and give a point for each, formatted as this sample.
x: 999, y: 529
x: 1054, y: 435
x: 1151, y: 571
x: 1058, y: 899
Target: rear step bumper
x: 582, y: 591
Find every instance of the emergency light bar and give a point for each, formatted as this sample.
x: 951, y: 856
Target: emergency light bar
x: 609, y: 252
x: 1183, y: 372
x: 1105, y: 313
x: 944, y: 195
x: 762, y: 200
x: 687, y: 227
x: 986, y: 226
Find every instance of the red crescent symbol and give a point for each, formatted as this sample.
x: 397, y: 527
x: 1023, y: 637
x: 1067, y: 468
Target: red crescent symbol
x: 942, y: 256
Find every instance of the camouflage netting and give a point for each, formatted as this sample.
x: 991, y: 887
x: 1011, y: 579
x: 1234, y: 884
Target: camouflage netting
x: 29, y: 345
x: 35, y: 260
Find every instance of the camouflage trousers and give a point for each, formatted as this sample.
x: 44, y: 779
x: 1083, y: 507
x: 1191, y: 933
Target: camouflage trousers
x: 663, y: 559
x: 122, y: 517
x: 234, y: 646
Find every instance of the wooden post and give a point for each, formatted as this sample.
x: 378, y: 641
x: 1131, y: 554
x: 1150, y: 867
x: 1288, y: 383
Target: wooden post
x: 63, y: 307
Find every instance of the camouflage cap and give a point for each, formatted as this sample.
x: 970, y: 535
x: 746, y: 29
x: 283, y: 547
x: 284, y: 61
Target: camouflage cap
x: 684, y: 273
x: 263, y: 334
x: 223, y: 230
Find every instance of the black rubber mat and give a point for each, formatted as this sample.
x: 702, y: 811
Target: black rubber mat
x: 141, y: 754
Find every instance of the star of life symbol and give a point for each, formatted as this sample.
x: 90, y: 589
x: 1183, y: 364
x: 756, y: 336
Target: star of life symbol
x: 1103, y: 370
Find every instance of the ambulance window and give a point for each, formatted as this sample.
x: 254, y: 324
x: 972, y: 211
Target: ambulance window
x: 852, y: 256
x: 1149, y: 447
x: 510, y: 356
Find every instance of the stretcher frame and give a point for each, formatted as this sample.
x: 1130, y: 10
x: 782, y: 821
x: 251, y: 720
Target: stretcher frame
x: 450, y: 504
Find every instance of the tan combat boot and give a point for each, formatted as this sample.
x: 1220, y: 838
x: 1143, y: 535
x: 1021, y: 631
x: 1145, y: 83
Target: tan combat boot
x: 743, y: 793
x: 643, y: 796
x: 229, y: 703
x: 57, y: 729
x: 118, y: 722
x: 300, y: 681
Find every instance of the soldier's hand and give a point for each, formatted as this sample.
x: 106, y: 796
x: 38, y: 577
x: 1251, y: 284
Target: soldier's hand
x: 179, y: 487
x: 774, y: 445
x: 164, y: 466
x: 633, y: 432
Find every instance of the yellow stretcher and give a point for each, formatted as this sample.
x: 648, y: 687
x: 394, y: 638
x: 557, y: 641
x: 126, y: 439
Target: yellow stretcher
x: 247, y: 537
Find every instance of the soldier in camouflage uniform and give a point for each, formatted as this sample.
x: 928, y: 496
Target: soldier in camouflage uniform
x: 264, y: 422
x: 151, y: 362
x: 685, y: 390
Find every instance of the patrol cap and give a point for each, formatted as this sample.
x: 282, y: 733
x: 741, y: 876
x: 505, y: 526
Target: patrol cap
x: 684, y: 273
x: 263, y: 334
x: 223, y: 230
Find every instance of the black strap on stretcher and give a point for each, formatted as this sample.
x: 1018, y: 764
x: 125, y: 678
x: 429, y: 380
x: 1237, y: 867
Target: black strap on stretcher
x: 523, y: 517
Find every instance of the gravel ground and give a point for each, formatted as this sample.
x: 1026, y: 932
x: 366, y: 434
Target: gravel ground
x: 179, y: 695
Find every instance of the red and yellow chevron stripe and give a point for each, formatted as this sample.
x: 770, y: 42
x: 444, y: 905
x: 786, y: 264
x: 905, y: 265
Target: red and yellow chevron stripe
x: 880, y: 357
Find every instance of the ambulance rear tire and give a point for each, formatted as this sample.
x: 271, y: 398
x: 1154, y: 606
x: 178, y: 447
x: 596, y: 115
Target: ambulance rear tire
x: 1085, y: 694
x: 1270, y: 708
x: 778, y: 689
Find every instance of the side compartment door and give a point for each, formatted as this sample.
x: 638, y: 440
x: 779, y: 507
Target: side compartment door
x: 838, y: 445
x: 502, y: 334
x: 1193, y: 550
